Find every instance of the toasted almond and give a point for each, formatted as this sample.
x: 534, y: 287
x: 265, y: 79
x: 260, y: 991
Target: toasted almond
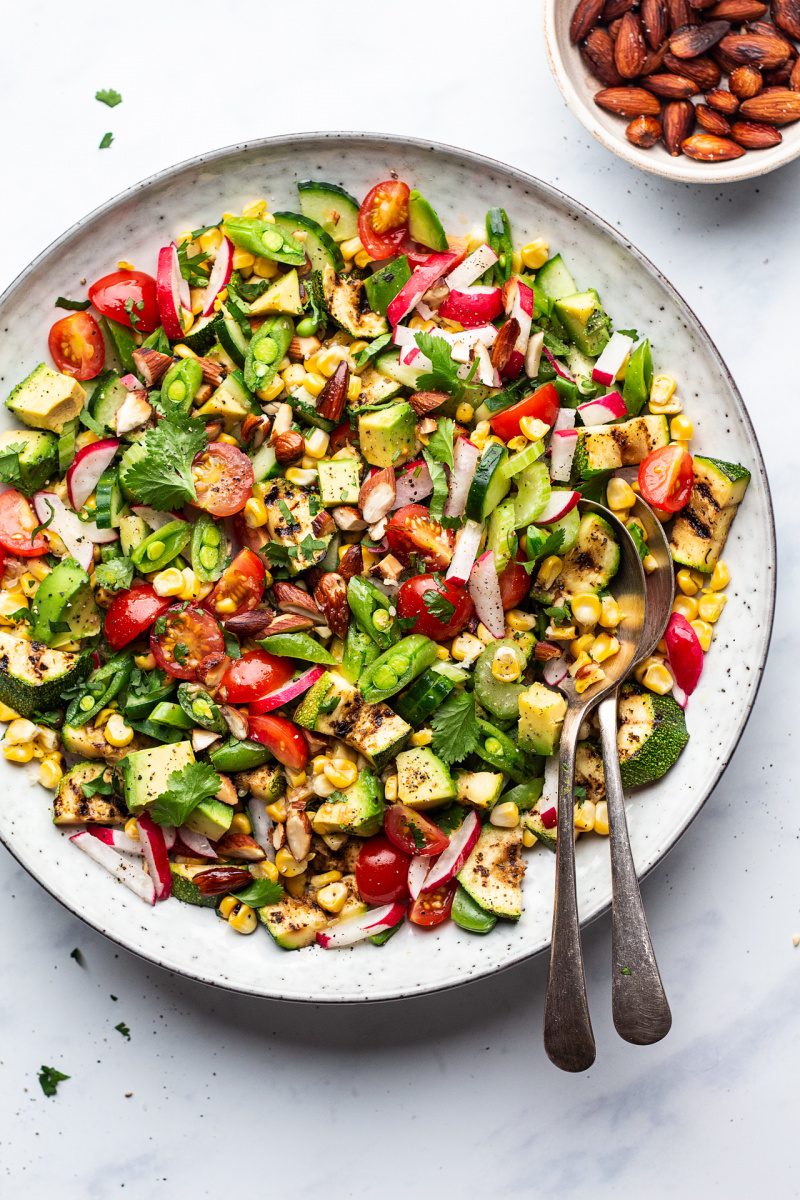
x: 705, y: 73
x: 289, y: 447
x: 745, y: 82
x: 585, y: 17
x: 655, y: 59
x: 711, y: 121
x: 766, y: 52
x: 598, y: 54
x: 794, y: 78
x: 630, y: 49
x: 655, y: 22
x: 775, y: 108
x: 331, y: 596
x: 614, y: 9
x: 706, y: 147
x: 506, y: 339
x: 613, y: 29
x: 425, y: 402
x: 701, y: 4
x: 643, y: 132
x: 671, y: 87
x: 679, y: 14
x: 723, y: 59
x: 722, y: 101
x: 693, y: 40
x: 676, y: 124
x: 755, y: 136
x: 331, y: 400
x: 779, y: 76
x: 738, y: 10
x: 351, y: 563
x: 786, y: 15
x: 628, y: 102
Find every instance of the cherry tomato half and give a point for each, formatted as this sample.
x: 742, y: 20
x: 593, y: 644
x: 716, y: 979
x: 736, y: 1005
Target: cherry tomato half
x: 542, y: 404
x: 343, y: 435
x: 281, y: 737
x: 666, y: 478
x: 241, y: 585
x: 189, y: 635
x: 413, y: 833
x: 254, y: 675
x: 382, y: 871
x: 383, y: 218
x: 411, y: 603
x: 132, y: 613
x: 17, y: 522
x: 113, y: 292
x: 412, y: 530
x: 515, y: 583
x: 76, y: 344
x: 431, y: 908
x: 223, y: 477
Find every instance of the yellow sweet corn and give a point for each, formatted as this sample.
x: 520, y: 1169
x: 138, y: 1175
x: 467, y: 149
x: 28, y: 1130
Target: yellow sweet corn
x: 581, y: 645
x: 519, y: 621
x: 465, y: 647
x: 549, y: 572
x: 534, y: 254
x: 258, y: 210
x: 464, y: 413
x: 117, y: 733
x: 340, y: 773
x: 8, y: 714
x: 321, y: 881
x: 711, y: 606
x: 505, y: 665
x: 279, y: 810
x: 243, y: 918
x: 169, y: 582
x: 619, y: 494
x: 422, y: 737
x: 390, y: 788
x: 533, y: 428
x: 317, y: 444
x: 528, y: 839
x: 604, y: 646
x: 585, y: 816
x: 314, y: 383
x: 265, y: 870
x: 354, y: 387
x: 287, y: 864
x: 720, y: 577
x: 255, y: 513
x: 686, y: 583
x: 294, y: 376
x: 51, y: 771
x: 132, y: 829
x: 601, y: 818
x: 658, y: 679
x: 704, y: 633
x: 687, y: 606
x: 586, y: 609
x: 272, y: 391
x: 240, y: 823
x: 332, y: 897
x: 505, y: 816
x: 681, y: 429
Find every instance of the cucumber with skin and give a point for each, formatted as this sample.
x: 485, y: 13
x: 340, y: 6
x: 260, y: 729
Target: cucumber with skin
x: 319, y: 246
x: 331, y: 207
x: 489, y: 485
x: 230, y: 337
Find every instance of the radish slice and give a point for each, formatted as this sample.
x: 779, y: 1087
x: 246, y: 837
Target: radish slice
x: 116, y: 838
x: 549, y: 817
x: 170, y: 291
x: 603, y: 409
x: 262, y: 826
x: 126, y: 872
x: 679, y: 695
x: 533, y: 354
x: 156, y: 520
x: 412, y: 356
x: 471, y: 269
x: 86, y: 468
x: 417, y: 873
x: 485, y: 592
x: 518, y: 303
x: 465, y: 462
x: 473, y: 307
x: 170, y: 835
x: 196, y: 842
x: 425, y: 312
x: 451, y: 860
x: 74, y: 533
x: 220, y: 275
x: 130, y: 382
x: 155, y: 854
x: 557, y: 367
x: 610, y: 362
x: 561, y: 501
x: 289, y: 691
x: 564, y: 420
x: 468, y: 539
x: 562, y: 452
x: 413, y: 483
x: 684, y: 652
x: 423, y: 277
x: 555, y: 671
x: 356, y: 929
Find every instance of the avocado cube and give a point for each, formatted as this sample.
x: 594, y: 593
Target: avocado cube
x: 37, y: 455
x: 210, y: 819
x: 46, y: 399
x: 387, y: 281
x: 338, y: 481
x: 59, y: 597
x: 145, y: 774
x: 585, y: 321
x: 423, y: 223
x: 282, y: 297
x: 423, y: 780
x: 479, y: 789
x: 541, y: 715
x: 387, y: 436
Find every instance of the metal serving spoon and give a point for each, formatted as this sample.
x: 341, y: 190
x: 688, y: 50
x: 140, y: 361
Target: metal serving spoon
x: 638, y: 1001
x: 568, y: 1037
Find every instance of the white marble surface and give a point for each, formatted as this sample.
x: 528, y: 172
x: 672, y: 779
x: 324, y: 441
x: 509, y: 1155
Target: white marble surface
x: 449, y: 1095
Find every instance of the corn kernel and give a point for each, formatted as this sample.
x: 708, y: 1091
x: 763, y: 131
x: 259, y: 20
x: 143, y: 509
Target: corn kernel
x: 658, y: 679
x: 169, y: 582
x: 327, y: 362
x: 103, y: 716
x: 265, y: 268
x: 145, y: 662
x: 442, y: 653
x: 243, y: 918
x: 517, y: 443
x: 317, y: 445
x: 342, y: 774
x: 354, y: 387
x: 681, y: 429
x: 296, y: 885
x: 481, y: 434
x: 528, y: 839
x: 227, y: 905
x: 8, y: 714
x: 549, y: 572
x: 662, y: 388
x: 318, y: 763
x: 687, y: 606
x: 601, y: 818
x: 362, y: 259
x: 122, y: 265
x: 257, y: 209
x: 533, y: 428
x: 483, y: 635
x: 582, y: 660
x: 240, y: 823
x: 243, y: 260
x: 38, y: 569
x: 226, y: 607
x: 390, y: 788
x: 581, y: 645
x: 117, y: 733
x: 255, y: 513
x: 272, y: 391
x: 505, y: 665
x: 20, y: 732
x: 586, y: 609
x: 465, y: 647
x: 720, y: 577
x: 265, y: 870
x: 28, y: 585
x: 287, y: 863
x: 132, y: 829
x: 314, y: 383
x: 560, y: 633
x: 505, y: 816
x: 321, y: 881
x: 604, y: 646
x: 294, y: 376
x: 422, y: 737
x: 589, y: 674
x: 464, y: 413
x: 585, y: 816
x: 704, y: 633
x: 279, y: 810
x: 51, y: 771
x: 534, y: 254
x: 22, y: 753
x: 686, y: 582
x: 519, y: 621
x: 650, y: 564
x: 228, y: 439
x: 333, y: 897
x: 619, y: 494
x: 711, y: 606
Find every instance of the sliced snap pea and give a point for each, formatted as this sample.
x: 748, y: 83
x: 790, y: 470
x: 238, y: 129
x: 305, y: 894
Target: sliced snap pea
x: 359, y: 653
x: 264, y: 239
x: 200, y: 708
x: 370, y: 608
x: 397, y: 667
x: 100, y: 688
x: 179, y: 385
x: 498, y: 230
x: 161, y: 546
x: 209, y: 550
x: 265, y: 350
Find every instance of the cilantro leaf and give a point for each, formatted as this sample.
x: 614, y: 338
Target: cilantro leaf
x: 631, y: 333
x: 440, y: 443
x: 196, y: 782
x: 108, y: 96
x: 551, y: 545
x: 443, y: 375
x: 50, y: 1078
x: 439, y: 480
x: 455, y: 728
x: 558, y: 613
x: 106, y: 141
x: 124, y: 1030
x: 52, y: 717
x: 38, y: 528
x: 97, y: 787
x: 260, y: 892
x: 135, y: 317
x: 274, y: 552
x: 9, y: 465
x: 638, y: 539
x: 438, y: 606
x: 162, y: 478
x: 116, y: 575
x: 451, y: 818
x: 181, y: 651
x: 72, y: 305
x: 372, y: 351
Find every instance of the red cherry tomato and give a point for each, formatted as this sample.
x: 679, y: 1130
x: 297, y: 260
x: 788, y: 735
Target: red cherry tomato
x: 17, y: 522
x: 666, y: 478
x: 515, y: 583
x: 383, y: 219
x: 254, y: 675
x: 242, y: 584
x: 223, y: 477
x: 412, y: 530
x: 343, y: 435
x: 431, y: 908
x: 76, y: 344
x: 413, y: 833
x: 189, y: 635
x: 542, y: 404
x: 382, y: 871
x: 281, y: 737
x: 132, y: 613
x: 112, y: 293
x: 411, y: 603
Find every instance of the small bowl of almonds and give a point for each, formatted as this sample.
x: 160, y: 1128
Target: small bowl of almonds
x: 702, y: 91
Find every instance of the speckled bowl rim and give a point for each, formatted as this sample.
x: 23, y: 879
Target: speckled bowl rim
x: 681, y: 169
x: 481, y: 162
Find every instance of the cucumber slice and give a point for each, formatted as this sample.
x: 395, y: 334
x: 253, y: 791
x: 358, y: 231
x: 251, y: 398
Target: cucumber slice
x: 265, y: 465
x: 107, y: 397
x: 108, y: 500
x: 555, y: 280
x: 123, y: 343
x: 201, y: 336
x: 500, y: 699
x: 66, y: 444
x: 320, y: 248
x: 424, y: 696
x: 488, y: 485
x: 501, y: 537
x: 389, y: 365
x: 233, y: 342
x: 532, y: 495
x: 522, y: 459
x: 331, y: 207
x: 571, y: 523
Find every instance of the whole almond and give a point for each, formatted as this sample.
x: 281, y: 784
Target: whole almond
x: 753, y: 48
x: 629, y: 102
x: 598, y: 54
x: 655, y: 59
x: 613, y: 29
x: 289, y: 447
x: 745, y: 82
x: 643, y: 132
x: 705, y: 73
x: 585, y: 17
x: 679, y: 14
x: 700, y: 4
x: 724, y: 102
x: 693, y: 40
x: 630, y: 49
x: 775, y: 108
x: 711, y: 121
x: 786, y: 15
x: 722, y: 59
x: 654, y: 22
x: 671, y: 87
x: 766, y: 30
x: 676, y: 124
x: 706, y: 147
x: 780, y: 76
x: 738, y: 10
x: 755, y: 136
x: 614, y: 9
x: 794, y: 78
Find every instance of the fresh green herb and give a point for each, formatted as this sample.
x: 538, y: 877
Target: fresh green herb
x: 195, y: 782
x: 9, y: 464
x: 196, y: 233
x: 76, y: 954
x: 417, y: 834
x: 188, y: 266
x: 274, y: 552
x: 455, y: 728
x: 580, y: 794
x: 260, y: 892
x: 372, y: 351
x: 52, y: 718
x: 288, y: 515
x: 404, y: 623
x: 310, y: 545
x: 106, y: 141
x: 313, y: 504
x: 134, y: 317
x: 162, y: 478
x: 439, y: 480
x: 50, y: 1078
x: 625, y: 971
x: 451, y: 818
x: 116, y: 575
x: 551, y: 545
x: 440, y: 443
x: 247, y: 291
x: 97, y: 787
x: 555, y: 344
x: 631, y: 333
x: 73, y: 305
x: 443, y: 375
x: 20, y: 616
x: 638, y: 540
x: 438, y: 606
x: 232, y: 647
x: 160, y: 626
x: 38, y: 528
x: 124, y: 1030
x: 181, y: 652
x: 559, y: 613
x: 108, y: 96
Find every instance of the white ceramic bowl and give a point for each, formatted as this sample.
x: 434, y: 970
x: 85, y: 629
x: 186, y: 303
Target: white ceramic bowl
x: 579, y: 86
x: 462, y: 186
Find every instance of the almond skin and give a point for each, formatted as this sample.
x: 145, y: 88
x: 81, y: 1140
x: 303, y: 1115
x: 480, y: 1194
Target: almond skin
x: 679, y: 14
x: 628, y: 102
x: 655, y: 59
x: 766, y: 52
x: 705, y: 73
x: 794, y: 78
x: 738, y: 10
x: 745, y: 82
x: 755, y: 136
x: 289, y: 447
x: 677, y: 123
x: 701, y: 4
x: 724, y: 102
x: 786, y: 15
x: 723, y: 59
x: 694, y: 40
x: 706, y: 147
x: 643, y: 132
x: 614, y: 9
x: 711, y: 121
x: 774, y: 108
x: 671, y: 87
x: 654, y: 22
x: 630, y: 49
x: 585, y: 17
x: 780, y: 76
x: 598, y: 54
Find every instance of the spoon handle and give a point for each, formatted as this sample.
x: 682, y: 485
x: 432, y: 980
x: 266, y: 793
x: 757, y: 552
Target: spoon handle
x: 638, y: 1001
x: 568, y: 1037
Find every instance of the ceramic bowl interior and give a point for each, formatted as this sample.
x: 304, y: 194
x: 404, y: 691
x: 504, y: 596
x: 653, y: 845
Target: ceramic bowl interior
x: 579, y: 86
x: 461, y: 186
